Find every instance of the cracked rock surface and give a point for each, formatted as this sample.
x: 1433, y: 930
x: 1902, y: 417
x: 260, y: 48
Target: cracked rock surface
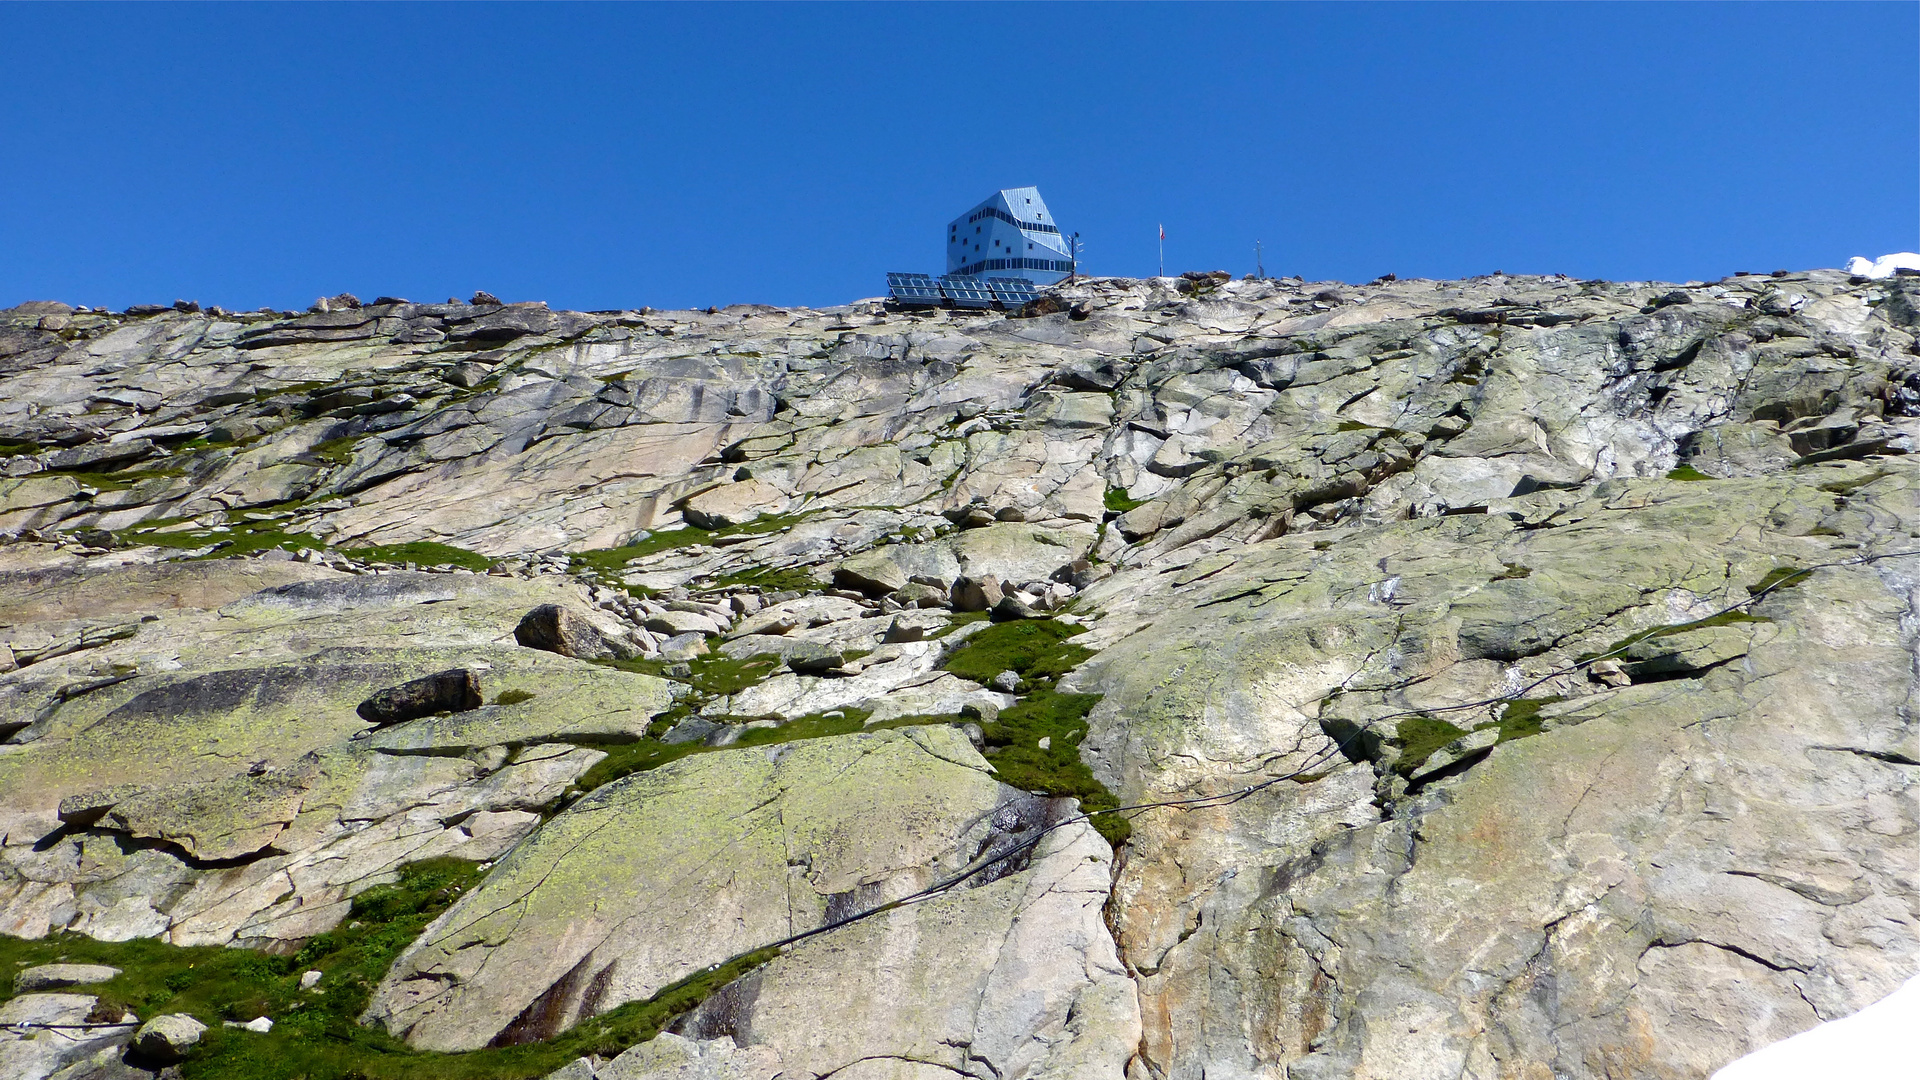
x: 1563, y: 631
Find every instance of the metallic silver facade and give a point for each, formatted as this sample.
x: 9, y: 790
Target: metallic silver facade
x: 1010, y: 234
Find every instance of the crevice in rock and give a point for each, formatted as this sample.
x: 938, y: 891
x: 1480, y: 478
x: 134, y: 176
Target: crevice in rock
x: 1664, y: 942
x: 130, y: 844
x: 1891, y: 757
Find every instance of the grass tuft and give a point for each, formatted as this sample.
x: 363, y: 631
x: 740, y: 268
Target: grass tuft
x: 610, y: 563
x: 1725, y: 618
x: 421, y: 553
x: 1780, y: 577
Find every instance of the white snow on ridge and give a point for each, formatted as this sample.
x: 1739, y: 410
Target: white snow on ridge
x: 1880, y: 1042
x: 1884, y: 266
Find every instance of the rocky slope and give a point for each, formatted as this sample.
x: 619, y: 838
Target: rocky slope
x: 1521, y: 671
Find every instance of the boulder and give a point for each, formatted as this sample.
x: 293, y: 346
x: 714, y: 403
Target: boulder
x: 54, y: 976
x: 42, y: 307
x: 813, y: 657
x: 562, y: 630
x: 916, y: 594
x: 913, y: 626
x: 1012, y: 607
x: 976, y: 594
x: 798, y: 614
x: 673, y: 623
x: 873, y: 573
x: 226, y: 818
x: 684, y: 646
x: 167, y: 1039
x: 454, y: 690
x: 96, y: 455
x: 734, y: 504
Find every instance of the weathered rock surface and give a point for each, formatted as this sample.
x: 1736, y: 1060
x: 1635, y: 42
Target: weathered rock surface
x: 451, y: 691
x: 45, y: 1035
x: 654, y: 877
x: 1016, y: 977
x: 55, y: 976
x: 297, y: 807
x: 556, y: 629
x: 1348, y: 547
x: 167, y: 1039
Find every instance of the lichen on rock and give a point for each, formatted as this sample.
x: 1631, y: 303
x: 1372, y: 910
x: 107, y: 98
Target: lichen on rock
x: 1497, y: 677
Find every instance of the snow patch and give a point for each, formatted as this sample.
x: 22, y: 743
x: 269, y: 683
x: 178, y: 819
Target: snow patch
x: 1884, y: 266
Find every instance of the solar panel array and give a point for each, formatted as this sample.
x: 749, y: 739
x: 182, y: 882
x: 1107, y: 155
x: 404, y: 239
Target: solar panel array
x: 967, y: 292
x: 1013, y: 292
x: 914, y: 290
x: 922, y: 290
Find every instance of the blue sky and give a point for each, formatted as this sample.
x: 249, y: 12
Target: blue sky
x: 683, y: 155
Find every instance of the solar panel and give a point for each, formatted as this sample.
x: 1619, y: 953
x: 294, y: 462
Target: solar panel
x: 967, y: 292
x: 914, y: 290
x: 1013, y: 292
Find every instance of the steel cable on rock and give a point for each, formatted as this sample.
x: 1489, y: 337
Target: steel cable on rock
x: 1337, y: 749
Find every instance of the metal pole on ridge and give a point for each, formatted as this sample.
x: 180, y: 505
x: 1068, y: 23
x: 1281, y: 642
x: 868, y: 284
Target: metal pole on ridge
x: 1163, y: 252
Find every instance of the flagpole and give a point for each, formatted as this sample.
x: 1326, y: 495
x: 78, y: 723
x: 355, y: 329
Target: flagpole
x: 1163, y: 251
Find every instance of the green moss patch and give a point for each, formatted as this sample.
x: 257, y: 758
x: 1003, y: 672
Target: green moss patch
x: 1521, y: 717
x: 1418, y: 738
x: 1117, y: 501
x: 316, y: 1035
x: 609, y: 563
x: 1687, y: 472
x: 711, y: 675
x: 768, y: 579
x: 513, y: 697
x: 422, y: 553
x: 1040, y: 652
x: 1725, y: 618
x: 337, y: 451
x: 627, y: 758
x: 240, y: 538
x: 244, y: 537
x: 1780, y: 577
x: 1035, y: 648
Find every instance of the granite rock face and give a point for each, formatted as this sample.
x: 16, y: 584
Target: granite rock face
x: 1531, y: 661
x: 654, y: 877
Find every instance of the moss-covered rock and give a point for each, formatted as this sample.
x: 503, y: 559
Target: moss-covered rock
x: 652, y: 877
